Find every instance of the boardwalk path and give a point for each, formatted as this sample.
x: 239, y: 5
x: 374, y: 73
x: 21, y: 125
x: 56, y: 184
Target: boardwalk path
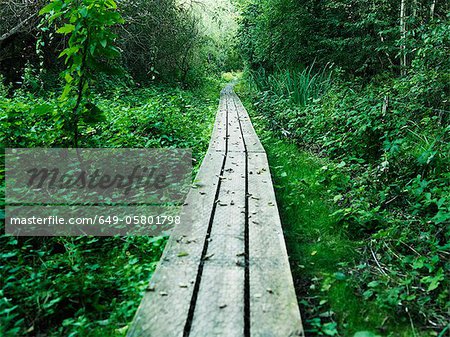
x: 225, y: 269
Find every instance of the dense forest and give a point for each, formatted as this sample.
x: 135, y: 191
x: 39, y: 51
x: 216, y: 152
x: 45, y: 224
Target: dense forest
x: 349, y: 98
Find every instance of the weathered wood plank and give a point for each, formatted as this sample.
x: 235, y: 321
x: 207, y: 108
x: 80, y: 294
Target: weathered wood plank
x: 219, y: 133
x: 252, y: 141
x: 219, y: 310
x: 220, y: 306
x: 273, y: 303
x: 164, y: 310
x: 235, y: 140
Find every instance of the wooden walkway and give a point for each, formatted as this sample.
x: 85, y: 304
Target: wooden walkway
x: 225, y: 269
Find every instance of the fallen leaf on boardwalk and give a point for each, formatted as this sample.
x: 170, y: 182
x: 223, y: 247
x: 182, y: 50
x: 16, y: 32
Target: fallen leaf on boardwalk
x: 151, y: 287
x: 240, y: 263
x: 181, y: 254
x: 208, y: 256
x: 183, y: 285
x: 163, y: 293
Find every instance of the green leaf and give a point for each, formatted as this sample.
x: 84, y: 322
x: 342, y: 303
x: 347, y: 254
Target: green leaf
x: 340, y: 276
x: 103, y: 43
x: 92, y: 49
x: 337, y: 198
x: 68, y: 78
x: 373, y: 284
x: 92, y: 114
x: 365, y: 334
x: 51, y: 6
x: 111, y: 4
x: 70, y: 51
x: 66, y: 91
x: 66, y: 29
x: 84, y: 12
x: 42, y: 109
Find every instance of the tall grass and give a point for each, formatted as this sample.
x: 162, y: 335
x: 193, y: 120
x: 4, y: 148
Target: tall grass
x: 299, y: 85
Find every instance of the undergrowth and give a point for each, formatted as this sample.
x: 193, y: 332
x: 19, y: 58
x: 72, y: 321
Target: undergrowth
x: 89, y: 286
x: 320, y: 250
x: 389, y: 172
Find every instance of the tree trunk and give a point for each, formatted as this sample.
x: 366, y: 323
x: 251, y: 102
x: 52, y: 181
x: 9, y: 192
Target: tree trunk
x: 432, y: 8
x: 403, y: 37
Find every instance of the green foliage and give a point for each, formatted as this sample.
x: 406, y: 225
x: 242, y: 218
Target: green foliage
x: 361, y: 37
x: 91, y: 286
x: 389, y: 142
x: 220, y: 45
x: 160, y: 41
x: 394, y: 191
x: 152, y: 117
x: 300, y: 86
x: 320, y: 249
x: 73, y: 286
x: 90, y: 41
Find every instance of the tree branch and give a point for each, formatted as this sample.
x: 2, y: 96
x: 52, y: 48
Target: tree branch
x: 17, y: 28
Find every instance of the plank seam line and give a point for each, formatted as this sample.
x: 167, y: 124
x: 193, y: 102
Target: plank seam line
x: 246, y: 235
x: 195, y: 292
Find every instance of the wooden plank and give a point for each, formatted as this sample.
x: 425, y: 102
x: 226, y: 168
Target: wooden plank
x: 274, y: 309
x: 219, y: 134
x: 235, y: 140
x: 164, y: 309
x: 227, y: 232
x: 220, y: 304
x: 252, y: 141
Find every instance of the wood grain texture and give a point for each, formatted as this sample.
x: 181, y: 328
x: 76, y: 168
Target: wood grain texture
x: 273, y: 303
x: 220, y: 306
x: 252, y: 141
x: 219, y: 133
x: 235, y: 140
x: 163, y: 311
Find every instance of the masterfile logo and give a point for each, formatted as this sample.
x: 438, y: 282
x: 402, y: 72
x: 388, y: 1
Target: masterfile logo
x: 107, y: 191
